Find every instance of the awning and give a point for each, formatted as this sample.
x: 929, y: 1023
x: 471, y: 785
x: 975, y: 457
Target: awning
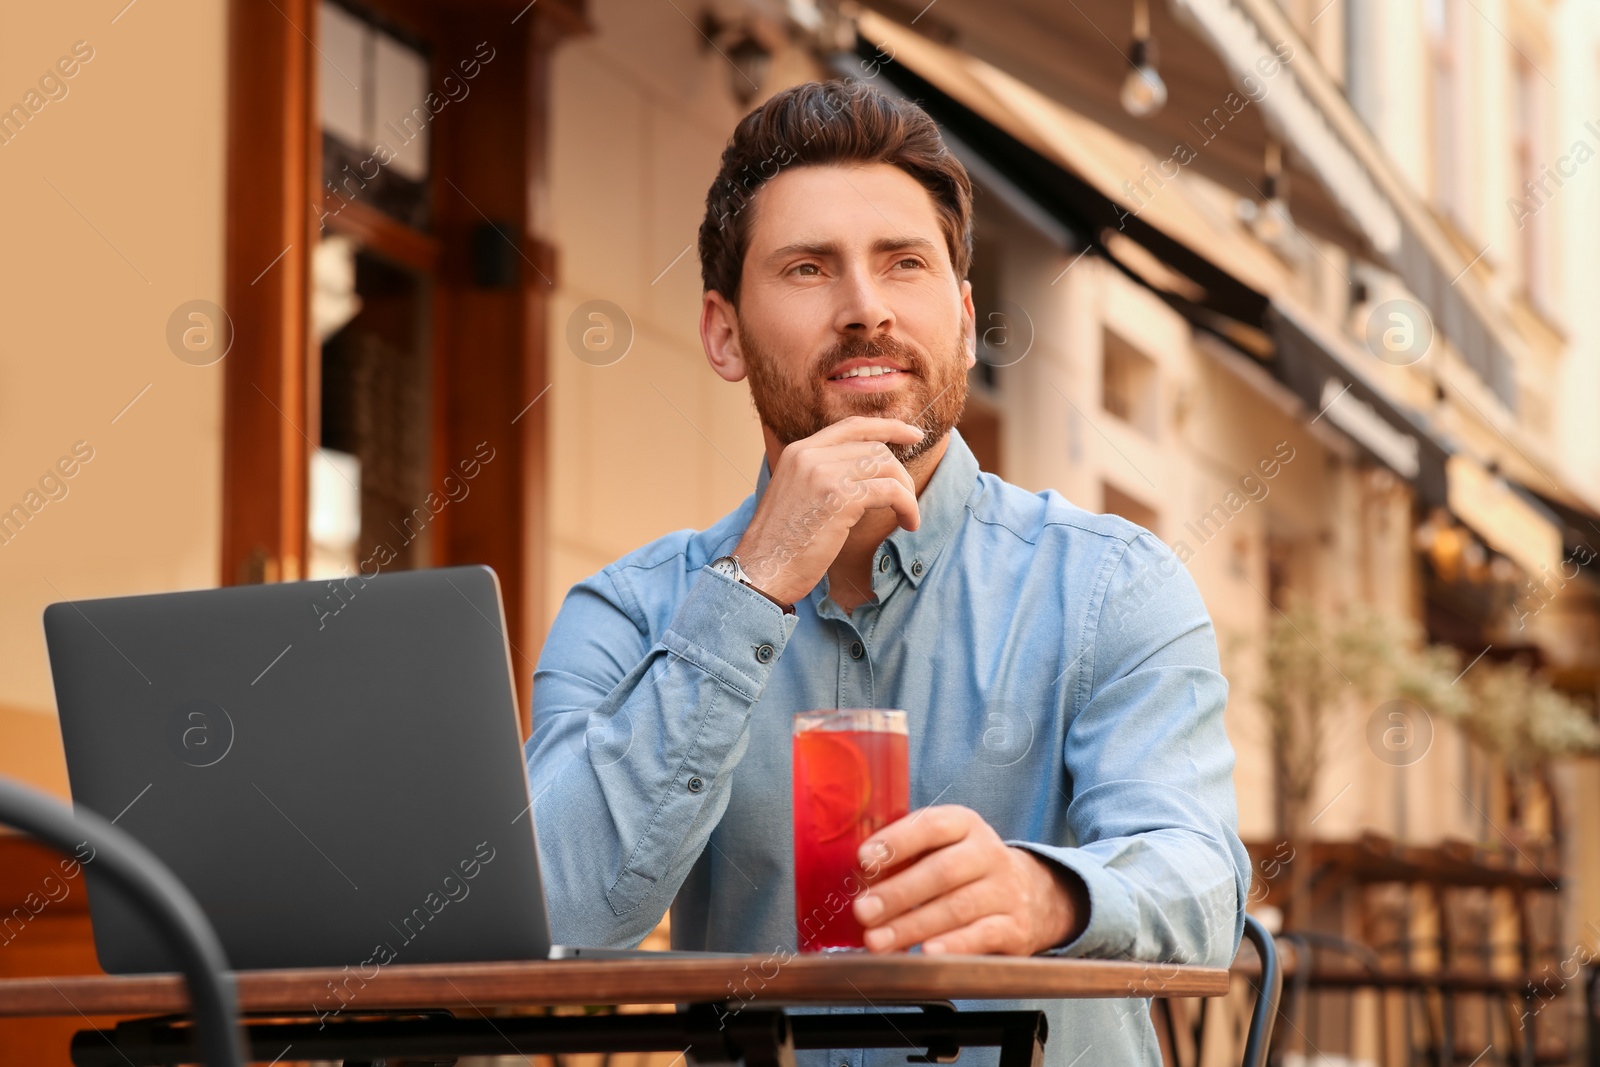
x: 1510, y: 523
x: 1580, y: 529
x: 1341, y: 186
x: 1309, y: 362
x: 1059, y: 162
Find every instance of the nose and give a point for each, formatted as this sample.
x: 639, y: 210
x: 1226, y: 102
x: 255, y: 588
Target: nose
x: 862, y: 311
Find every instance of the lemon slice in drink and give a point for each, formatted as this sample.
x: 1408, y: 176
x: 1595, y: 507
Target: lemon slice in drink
x: 839, y: 784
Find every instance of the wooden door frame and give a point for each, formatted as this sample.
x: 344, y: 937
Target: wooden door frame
x: 488, y: 341
x: 265, y: 450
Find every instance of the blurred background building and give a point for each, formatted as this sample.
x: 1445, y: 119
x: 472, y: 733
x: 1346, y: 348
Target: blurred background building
x: 305, y: 288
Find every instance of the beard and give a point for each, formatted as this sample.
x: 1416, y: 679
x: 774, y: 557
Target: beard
x: 932, y: 398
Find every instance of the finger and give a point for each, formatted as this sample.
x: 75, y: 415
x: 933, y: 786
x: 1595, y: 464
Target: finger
x: 990, y: 934
x: 941, y: 916
x: 885, y: 464
x: 921, y: 831
x: 868, y: 428
x: 875, y: 459
x: 842, y: 488
x: 855, y: 460
x: 889, y: 493
x: 941, y: 871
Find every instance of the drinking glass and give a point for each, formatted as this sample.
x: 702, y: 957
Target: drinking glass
x: 851, y: 778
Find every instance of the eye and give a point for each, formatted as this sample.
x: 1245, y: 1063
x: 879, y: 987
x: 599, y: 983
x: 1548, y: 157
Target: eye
x: 912, y: 260
x: 805, y: 270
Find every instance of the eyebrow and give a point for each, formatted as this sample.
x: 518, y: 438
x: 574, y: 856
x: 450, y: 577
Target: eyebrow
x: 832, y: 248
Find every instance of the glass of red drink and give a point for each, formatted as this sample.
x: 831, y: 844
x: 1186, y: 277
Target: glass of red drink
x: 851, y: 778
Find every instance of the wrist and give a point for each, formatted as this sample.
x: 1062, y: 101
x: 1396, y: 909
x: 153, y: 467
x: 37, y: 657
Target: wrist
x: 1064, y: 899
x: 764, y: 575
x: 734, y: 566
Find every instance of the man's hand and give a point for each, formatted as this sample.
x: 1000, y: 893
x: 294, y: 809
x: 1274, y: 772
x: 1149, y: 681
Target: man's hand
x: 819, y: 490
x: 957, y: 888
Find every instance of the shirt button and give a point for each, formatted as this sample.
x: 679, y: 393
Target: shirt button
x: 696, y: 783
x: 764, y: 653
x: 916, y: 568
x: 856, y: 650
x: 883, y: 563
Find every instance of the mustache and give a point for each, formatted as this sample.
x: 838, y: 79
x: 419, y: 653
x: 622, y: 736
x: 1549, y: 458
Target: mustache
x: 870, y: 348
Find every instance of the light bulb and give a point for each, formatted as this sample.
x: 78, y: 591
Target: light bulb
x: 1143, y: 91
x: 1270, y: 220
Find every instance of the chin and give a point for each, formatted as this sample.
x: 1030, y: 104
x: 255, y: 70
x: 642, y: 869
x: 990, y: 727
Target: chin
x: 876, y: 406
x: 906, y: 453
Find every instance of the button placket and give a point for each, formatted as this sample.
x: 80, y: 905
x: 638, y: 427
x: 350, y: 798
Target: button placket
x: 855, y: 669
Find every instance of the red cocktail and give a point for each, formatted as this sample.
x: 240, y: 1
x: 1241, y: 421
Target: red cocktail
x: 851, y: 778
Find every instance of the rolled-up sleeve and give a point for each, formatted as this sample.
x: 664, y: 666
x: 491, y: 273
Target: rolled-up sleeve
x: 1153, y: 813
x: 634, y: 743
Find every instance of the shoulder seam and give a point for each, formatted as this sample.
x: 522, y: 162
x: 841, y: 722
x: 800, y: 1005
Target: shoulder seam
x: 625, y: 565
x: 1128, y: 540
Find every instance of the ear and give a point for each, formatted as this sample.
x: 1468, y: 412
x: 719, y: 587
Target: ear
x: 719, y: 336
x: 971, y: 317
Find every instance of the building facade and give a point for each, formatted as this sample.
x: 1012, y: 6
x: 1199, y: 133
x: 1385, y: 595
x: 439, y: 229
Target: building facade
x: 485, y: 226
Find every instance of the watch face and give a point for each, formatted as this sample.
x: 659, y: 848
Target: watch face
x: 727, y: 565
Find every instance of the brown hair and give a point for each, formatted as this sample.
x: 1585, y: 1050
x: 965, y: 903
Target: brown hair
x: 837, y: 122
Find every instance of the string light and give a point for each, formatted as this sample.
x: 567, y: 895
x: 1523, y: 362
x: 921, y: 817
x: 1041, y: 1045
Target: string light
x: 1143, y: 91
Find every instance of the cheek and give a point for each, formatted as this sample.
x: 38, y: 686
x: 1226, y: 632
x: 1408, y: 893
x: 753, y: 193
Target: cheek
x: 787, y: 338
x: 932, y: 308
x: 940, y: 329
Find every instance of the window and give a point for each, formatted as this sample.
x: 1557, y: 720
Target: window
x: 1116, y: 502
x: 373, y: 279
x: 1527, y: 150
x: 369, y: 479
x: 376, y: 113
x: 1446, y: 98
x: 1360, y: 69
x: 1129, y: 384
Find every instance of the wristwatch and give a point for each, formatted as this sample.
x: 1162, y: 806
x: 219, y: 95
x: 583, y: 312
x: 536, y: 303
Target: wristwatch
x: 730, y: 566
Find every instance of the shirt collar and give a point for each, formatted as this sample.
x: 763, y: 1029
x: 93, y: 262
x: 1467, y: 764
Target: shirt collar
x: 942, y: 505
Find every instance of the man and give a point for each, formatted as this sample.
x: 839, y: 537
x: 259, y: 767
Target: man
x: 1071, y: 779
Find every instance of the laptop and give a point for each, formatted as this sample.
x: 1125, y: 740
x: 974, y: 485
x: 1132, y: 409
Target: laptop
x: 333, y: 768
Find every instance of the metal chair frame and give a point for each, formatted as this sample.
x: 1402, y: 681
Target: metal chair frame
x: 1269, y: 994
x: 156, y: 891
x: 1264, y: 1015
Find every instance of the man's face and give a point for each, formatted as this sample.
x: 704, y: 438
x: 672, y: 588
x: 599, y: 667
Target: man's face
x: 847, y: 269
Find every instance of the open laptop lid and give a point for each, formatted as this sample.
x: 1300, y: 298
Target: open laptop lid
x: 332, y: 768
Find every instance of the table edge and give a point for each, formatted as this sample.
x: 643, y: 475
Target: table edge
x: 770, y: 978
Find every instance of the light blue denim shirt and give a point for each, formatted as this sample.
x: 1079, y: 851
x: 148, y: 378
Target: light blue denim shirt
x: 1059, y: 675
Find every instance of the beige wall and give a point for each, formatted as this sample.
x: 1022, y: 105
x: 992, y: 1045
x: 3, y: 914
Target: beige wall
x: 1576, y: 32
x: 113, y: 218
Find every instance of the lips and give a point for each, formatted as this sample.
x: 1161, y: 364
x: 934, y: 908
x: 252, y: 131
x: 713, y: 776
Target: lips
x: 886, y: 378
x: 871, y: 362
x: 866, y: 371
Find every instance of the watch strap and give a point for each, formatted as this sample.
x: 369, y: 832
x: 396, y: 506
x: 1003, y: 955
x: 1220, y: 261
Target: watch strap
x: 737, y: 573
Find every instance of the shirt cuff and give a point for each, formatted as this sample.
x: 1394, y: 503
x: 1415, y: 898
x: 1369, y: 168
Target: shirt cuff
x: 1113, y: 918
x: 730, y: 631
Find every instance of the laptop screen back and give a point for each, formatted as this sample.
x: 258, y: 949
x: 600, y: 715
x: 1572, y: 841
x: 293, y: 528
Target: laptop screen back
x: 332, y: 768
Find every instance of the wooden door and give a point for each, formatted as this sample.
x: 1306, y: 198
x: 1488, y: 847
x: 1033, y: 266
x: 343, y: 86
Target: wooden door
x: 432, y: 389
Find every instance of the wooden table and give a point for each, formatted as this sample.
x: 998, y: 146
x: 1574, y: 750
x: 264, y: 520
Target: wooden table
x: 735, y: 1006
